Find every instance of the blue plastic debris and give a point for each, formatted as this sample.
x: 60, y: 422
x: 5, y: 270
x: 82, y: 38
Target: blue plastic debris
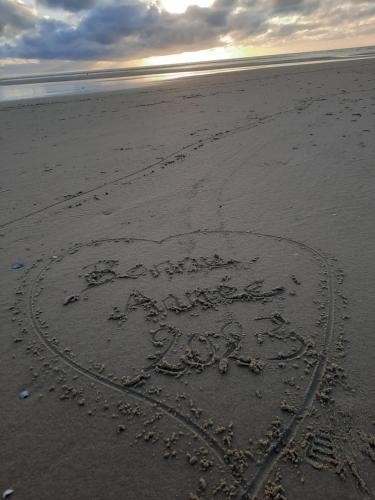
x: 24, y: 394
x: 18, y: 265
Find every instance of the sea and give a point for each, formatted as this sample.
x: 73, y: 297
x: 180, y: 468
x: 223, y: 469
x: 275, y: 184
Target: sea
x: 86, y: 82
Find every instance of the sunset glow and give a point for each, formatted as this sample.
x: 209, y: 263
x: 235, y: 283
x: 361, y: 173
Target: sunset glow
x: 197, y: 56
x: 43, y: 36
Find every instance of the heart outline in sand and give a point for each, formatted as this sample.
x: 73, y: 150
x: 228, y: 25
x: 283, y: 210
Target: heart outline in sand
x: 256, y: 482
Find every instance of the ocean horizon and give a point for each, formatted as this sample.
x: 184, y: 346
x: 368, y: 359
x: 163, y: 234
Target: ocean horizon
x: 14, y: 88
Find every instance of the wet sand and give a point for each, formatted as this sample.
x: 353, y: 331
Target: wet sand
x: 187, y: 287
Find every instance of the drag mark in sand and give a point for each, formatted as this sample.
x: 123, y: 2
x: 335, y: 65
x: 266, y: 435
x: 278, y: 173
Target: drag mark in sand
x: 177, y: 155
x: 163, y: 162
x: 220, y: 315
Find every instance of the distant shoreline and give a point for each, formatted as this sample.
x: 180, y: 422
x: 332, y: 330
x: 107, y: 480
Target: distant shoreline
x: 246, y: 62
x: 81, y: 83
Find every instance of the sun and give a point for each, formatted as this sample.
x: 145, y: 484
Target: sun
x: 179, y: 6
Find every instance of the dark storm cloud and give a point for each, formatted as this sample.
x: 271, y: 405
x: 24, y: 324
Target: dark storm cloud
x: 14, y: 17
x: 119, y: 29
x: 70, y: 5
x: 290, y: 7
x: 287, y: 5
x: 343, y: 13
x: 139, y: 27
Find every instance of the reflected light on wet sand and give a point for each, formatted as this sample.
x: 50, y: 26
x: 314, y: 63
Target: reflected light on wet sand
x: 20, y: 89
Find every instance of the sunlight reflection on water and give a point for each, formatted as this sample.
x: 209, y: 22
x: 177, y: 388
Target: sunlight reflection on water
x: 25, y: 90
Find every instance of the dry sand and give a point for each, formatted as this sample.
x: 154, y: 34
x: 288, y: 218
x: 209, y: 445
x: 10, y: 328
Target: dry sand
x: 194, y: 317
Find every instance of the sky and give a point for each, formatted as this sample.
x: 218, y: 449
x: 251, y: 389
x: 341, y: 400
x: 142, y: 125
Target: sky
x: 41, y: 36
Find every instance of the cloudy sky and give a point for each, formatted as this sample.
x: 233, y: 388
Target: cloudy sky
x: 59, y: 35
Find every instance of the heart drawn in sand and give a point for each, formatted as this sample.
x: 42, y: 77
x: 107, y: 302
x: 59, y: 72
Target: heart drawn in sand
x: 230, y: 317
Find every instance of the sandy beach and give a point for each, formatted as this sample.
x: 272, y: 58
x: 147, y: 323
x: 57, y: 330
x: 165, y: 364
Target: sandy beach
x: 187, y: 289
